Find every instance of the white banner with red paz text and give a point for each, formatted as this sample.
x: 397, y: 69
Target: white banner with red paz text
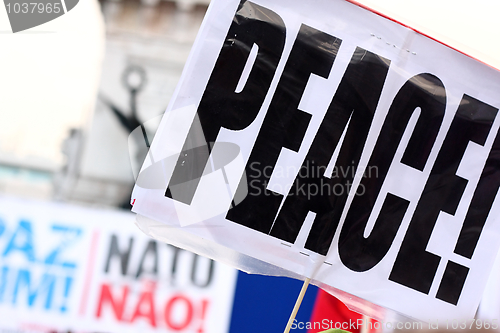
x: 71, y: 269
x: 336, y: 144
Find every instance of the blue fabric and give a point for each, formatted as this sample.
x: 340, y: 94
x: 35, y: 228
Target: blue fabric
x: 263, y: 304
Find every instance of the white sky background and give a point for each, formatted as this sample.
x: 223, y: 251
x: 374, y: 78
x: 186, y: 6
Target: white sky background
x: 49, y: 74
x: 470, y: 26
x: 48, y: 82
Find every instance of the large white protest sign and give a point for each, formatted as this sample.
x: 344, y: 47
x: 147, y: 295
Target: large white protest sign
x: 71, y: 269
x: 334, y: 143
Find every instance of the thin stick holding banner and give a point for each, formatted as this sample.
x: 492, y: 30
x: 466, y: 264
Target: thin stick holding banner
x: 297, y: 304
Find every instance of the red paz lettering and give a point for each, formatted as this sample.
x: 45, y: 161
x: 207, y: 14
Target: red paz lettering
x: 344, y: 128
x: 178, y: 312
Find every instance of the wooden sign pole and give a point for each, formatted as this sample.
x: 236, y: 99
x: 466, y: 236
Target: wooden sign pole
x: 297, y: 305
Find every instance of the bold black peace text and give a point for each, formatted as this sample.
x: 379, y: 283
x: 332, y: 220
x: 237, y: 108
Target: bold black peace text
x: 351, y: 110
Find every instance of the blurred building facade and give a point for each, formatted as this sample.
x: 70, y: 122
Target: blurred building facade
x: 146, y: 44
